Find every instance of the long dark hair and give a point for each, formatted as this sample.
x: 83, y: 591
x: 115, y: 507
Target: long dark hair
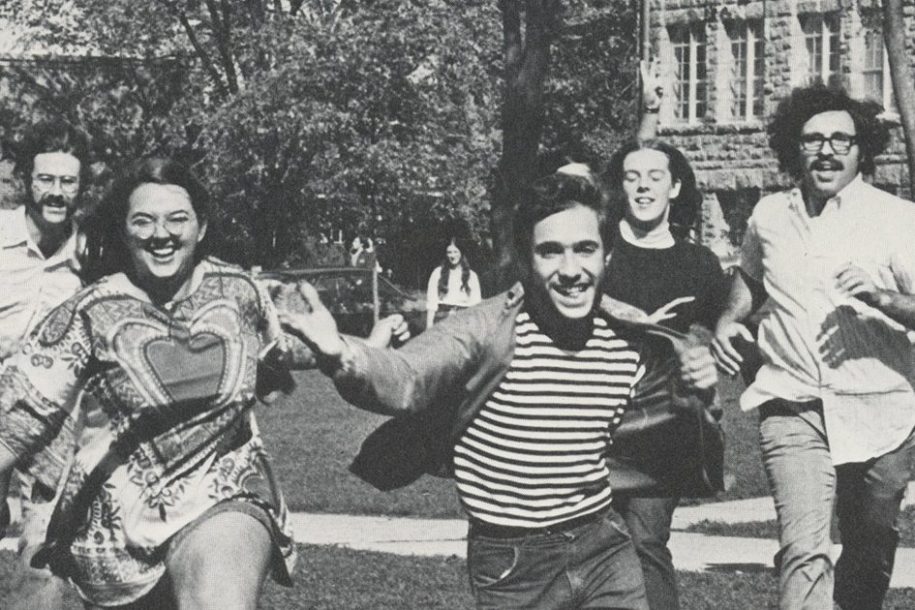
x: 106, y: 252
x: 446, y: 270
x: 684, y: 208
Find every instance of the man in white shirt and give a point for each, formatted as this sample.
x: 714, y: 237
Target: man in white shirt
x: 836, y: 259
x: 38, y: 270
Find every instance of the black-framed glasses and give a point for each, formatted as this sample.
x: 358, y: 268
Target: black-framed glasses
x: 839, y: 142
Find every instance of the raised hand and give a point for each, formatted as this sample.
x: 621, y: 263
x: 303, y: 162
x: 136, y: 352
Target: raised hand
x: 315, y: 325
x: 653, y: 84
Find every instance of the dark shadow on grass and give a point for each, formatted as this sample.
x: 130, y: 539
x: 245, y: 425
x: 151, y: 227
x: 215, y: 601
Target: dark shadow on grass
x: 745, y: 568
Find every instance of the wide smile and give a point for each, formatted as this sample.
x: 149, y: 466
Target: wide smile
x: 162, y: 253
x: 573, y: 294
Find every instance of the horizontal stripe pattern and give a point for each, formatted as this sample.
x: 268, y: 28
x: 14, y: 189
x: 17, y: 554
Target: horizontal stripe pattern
x: 534, y: 454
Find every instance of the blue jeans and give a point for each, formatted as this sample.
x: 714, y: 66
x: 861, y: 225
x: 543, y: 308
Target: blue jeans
x: 804, y: 483
x: 590, y: 566
x: 648, y: 520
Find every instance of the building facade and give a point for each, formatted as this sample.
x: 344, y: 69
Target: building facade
x: 733, y: 60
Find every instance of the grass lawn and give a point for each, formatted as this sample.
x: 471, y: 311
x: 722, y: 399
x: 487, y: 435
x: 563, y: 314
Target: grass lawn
x: 330, y: 578
x: 313, y: 434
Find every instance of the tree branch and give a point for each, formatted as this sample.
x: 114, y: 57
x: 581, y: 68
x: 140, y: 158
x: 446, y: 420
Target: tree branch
x: 202, y: 54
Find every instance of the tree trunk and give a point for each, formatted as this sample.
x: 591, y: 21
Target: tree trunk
x: 903, y: 83
x: 527, y: 58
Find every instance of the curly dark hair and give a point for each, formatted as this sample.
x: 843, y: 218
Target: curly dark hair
x: 550, y: 195
x: 684, y: 208
x: 105, y: 227
x: 803, y: 103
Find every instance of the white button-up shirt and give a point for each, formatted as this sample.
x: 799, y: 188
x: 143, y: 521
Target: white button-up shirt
x: 30, y: 283
x: 820, y: 344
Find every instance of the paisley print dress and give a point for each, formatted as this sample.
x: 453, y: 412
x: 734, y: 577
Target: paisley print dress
x: 167, y: 393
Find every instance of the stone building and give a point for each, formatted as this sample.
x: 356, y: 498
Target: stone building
x: 733, y: 60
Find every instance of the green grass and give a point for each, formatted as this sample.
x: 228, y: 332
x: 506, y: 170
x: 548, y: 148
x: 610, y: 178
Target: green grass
x: 313, y: 434
x: 332, y: 578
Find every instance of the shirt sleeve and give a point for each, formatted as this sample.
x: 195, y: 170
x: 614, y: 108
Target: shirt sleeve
x: 751, y: 252
x: 39, y: 392
x: 432, y: 290
x: 476, y: 294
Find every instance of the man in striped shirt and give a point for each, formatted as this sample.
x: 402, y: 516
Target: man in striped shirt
x: 517, y: 398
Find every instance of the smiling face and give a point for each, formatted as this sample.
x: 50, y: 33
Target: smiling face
x: 54, y: 188
x: 162, y: 234
x: 567, y: 261
x: 453, y: 254
x: 649, y: 187
x: 827, y: 172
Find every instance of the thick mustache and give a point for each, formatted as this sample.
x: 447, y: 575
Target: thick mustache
x: 53, y: 200
x: 827, y: 164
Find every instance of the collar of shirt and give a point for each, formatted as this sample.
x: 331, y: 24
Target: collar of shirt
x: 841, y: 201
x: 16, y: 234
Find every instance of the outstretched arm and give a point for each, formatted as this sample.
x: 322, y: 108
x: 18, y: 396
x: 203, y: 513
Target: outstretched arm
x: 388, y: 381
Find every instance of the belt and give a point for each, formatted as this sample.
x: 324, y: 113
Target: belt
x: 491, y: 530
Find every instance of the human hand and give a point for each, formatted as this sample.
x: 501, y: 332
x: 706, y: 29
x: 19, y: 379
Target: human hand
x: 315, y: 326
x: 663, y: 313
x: 653, y: 85
x: 853, y: 281
x: 390, y: 330
x: 8, y: 347
x: 697, y: 368
x: 726, y: 355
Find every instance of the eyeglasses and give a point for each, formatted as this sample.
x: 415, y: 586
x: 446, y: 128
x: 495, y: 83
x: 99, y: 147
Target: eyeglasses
x: 45, y: 183
x: 144, y: 228
x: 839, y: 142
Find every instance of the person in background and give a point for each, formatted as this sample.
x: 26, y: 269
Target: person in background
x: 171, y: 502
x: 678, y: 284
x: 39, y: 268
x: 835, y: 259
x: 453, y: 285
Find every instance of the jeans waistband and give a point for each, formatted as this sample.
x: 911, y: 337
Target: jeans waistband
x: 491, y: 530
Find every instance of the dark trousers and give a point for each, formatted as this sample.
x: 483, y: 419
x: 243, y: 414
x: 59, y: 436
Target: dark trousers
x: 648, y: 520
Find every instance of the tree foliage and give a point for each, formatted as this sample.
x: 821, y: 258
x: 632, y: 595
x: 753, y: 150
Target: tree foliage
x: 314, y: 117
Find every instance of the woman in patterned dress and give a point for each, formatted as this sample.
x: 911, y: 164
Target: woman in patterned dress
x: 166, y: 500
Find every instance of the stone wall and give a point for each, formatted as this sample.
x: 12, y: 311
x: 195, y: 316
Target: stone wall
x: 732, y: 159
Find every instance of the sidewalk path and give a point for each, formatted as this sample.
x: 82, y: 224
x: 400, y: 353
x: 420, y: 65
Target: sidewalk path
x: 691, y: 551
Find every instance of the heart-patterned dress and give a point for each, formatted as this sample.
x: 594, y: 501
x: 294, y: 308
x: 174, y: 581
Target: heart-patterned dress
x: 168, y: 392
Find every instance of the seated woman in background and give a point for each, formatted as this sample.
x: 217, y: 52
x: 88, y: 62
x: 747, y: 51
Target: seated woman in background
x: 169, y: 501
x: 453, y: 285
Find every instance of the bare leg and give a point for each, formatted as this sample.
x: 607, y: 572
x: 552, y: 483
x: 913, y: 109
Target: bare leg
x: 221, y: 564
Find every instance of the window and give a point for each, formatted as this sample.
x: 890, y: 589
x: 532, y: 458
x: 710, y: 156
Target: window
x: 821, y: 41
x: 878, y: 85
x: 747, y: 73
x: 691, y: 75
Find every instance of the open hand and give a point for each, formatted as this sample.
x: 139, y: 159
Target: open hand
x: 664, y: 313
x: 853, y: 281
x: 726, y: 355
x: 315, y: 325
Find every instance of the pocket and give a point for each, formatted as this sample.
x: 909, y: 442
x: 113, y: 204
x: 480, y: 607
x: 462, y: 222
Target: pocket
x: 490, y: 563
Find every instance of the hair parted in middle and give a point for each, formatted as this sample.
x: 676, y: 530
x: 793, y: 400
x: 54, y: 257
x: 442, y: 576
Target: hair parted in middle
x: 684, y: 208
